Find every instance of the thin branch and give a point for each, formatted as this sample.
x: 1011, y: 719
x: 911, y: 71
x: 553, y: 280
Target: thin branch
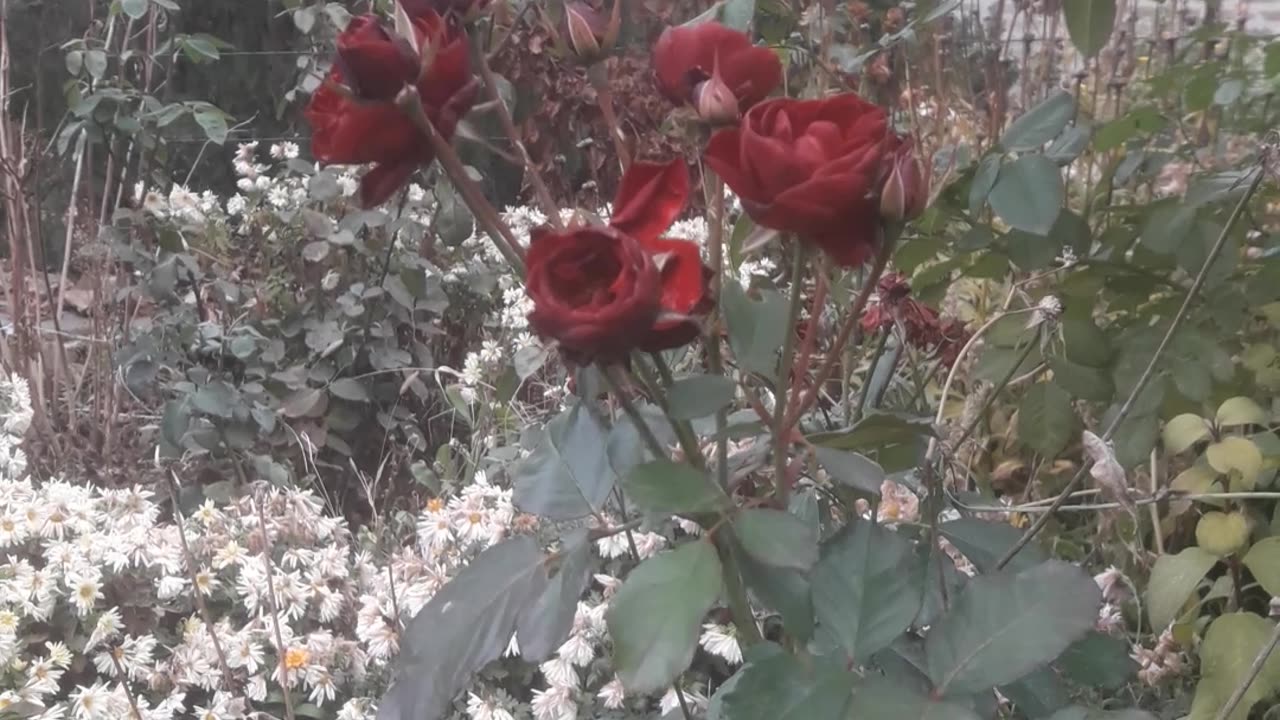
x: 281, y: 653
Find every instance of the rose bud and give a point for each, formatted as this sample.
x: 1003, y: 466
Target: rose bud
x: 591, y: 35
x: 906, y: 190
x: 715, y: 102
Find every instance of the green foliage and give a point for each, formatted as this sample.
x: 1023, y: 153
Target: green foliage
x: 1090, y: 23
x: 1231, y: 644
x: 1004, y: 625
x: 569, y: 474
x: 655, y: 616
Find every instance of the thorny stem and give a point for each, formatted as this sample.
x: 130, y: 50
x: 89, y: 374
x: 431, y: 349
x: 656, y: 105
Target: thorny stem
x: 281, y: 653
x: 540, y: 190
x: 628, y: 407
x: 855, y: 410
x: 846, y: 330
x: 598, y: 74
x: 781, y: 430
x: 684, y: 432
x: 715, y: 249
x: 484, y: 213
x: 738, y: 603
x: 1255, y: 669
x: 805, y: 355
x: 201, y: 605
x: 1148, y: 372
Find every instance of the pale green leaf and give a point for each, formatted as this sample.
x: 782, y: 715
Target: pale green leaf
x: 1263, y: 560
x: 1240, y: 411
x: 1230, y: 646
x: 699, y: 396
x: 1184, y: 431
x: 1173, y: 579
x: 1041, y: 123
x: 1028, y: 194
x: 568, y: 475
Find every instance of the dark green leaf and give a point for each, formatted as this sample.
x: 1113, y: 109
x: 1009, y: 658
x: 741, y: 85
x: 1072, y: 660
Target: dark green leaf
x: 1070, y: 144
x: 1098, y: 661
x: 1082, y: 381
x: 1039, y: 694
x: 1089, y: 24
x: 655, y: 617
x: 1041, y: 123
x: 777, y: 538
x: 568, y: 476
x: 464, y: 627
x: 866, y: 589
x: 1085, y: 343
x: 779, y: 687
x: 984, y: 543
x: 783, y: 590
x: 304, y: 402
x: 699, y: 396
x: 547, y: 622
x: 879, y: 699
x: 1004, y: 625
x: 529, y: 360
x: 1028, y: 196
x: 668, y: 488
x: 737, y: 14
x: 984, y: 179
x: 1168, y: 227
x: 874, y: 432
x: 349, y: 389
x: 1030, y: 251
x: 1046, y: 420
x: 216, y: 398
x: 756, y: 329
x: 851, y: 470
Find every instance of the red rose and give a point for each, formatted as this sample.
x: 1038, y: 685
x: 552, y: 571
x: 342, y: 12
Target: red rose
x: 353, y: 117
x: 811, y: 167
x: 594, y: 289
x: 699, y: 64
x: 603, y: 292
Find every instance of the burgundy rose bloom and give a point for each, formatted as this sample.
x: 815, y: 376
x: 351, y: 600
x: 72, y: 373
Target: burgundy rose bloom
x: 594, y: 289
x: 922, y: 327
x: 813, y: 168
x: 687, y: 56
x: 374, y: 65
x: 603, y: 292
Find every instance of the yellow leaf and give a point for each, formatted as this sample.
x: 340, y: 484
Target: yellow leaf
x: 1222, y: 533
x: 1184, y: 431
x: 1240, y: 411
x: 1238, y: 457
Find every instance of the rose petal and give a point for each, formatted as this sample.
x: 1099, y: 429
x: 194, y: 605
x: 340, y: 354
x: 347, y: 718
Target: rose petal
x: 650, y: 197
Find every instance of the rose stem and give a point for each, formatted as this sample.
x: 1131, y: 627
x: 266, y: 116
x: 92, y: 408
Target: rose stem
x: 684, y: 432
x: 598, y: 74
x: 805, y: 355
x: 739, y: 606
x: 855, y: 410
x: 714, y: 188
x: 485, y: 214
x: 781, y: 430
x: 846, y: 329
x: 540, y: 190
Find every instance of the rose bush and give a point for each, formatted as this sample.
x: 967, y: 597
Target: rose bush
x: 355, y: 116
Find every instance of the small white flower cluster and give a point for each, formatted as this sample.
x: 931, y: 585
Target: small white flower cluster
x: 98, y: 610
x: 180, y: 204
